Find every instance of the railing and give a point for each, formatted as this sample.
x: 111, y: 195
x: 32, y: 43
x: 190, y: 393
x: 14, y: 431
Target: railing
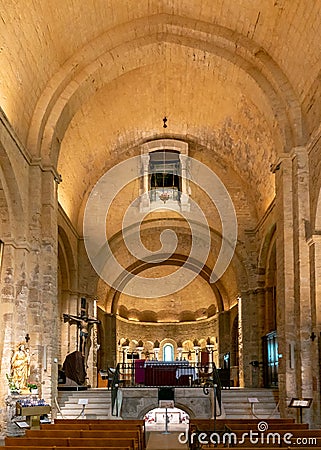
x: 114, y: 392
x: 141, y: 373
x: 164, y: 194
x: 215, y: 384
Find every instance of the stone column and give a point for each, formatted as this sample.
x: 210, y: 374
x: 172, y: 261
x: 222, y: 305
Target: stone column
x: 315, y: 257
x: 69, y: 335
x: 302, y: 274
x: 224, y: 338
x: 109, y: 354
x: 49, y: 301
x: 286, y: 311
x: 249, y: 338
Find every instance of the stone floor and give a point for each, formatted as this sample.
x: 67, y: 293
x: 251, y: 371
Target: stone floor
x: 159, y: 441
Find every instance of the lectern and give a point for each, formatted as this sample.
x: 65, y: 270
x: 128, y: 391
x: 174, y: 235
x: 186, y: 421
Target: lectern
x: 32, y: 413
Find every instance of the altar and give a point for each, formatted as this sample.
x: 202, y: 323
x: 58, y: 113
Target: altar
x: 168, y: 373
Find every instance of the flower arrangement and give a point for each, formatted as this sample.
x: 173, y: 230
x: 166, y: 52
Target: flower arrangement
x: 12, y: 386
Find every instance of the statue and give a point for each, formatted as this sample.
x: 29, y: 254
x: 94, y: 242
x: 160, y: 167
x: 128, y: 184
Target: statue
x: 84, y: 324
x: 20, y: 366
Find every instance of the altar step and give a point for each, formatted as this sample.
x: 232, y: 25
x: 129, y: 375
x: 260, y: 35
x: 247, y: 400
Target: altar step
x: 98, y: 407
x: 237, y: 405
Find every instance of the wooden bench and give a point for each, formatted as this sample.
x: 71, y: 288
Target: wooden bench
x: 128, y: 421
x: 70, y: 442
x: 271, y: 440
x: 236, y: 433
x: 63, y: 448
x: 271, y: 426
x: 90, y: 426
x: 103, y: 426
x: 83, y: 433
x: 134, y: 434
x: 210, y: 422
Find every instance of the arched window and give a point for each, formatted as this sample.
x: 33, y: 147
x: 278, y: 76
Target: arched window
x: 168, y: 352
x: 165, y: 176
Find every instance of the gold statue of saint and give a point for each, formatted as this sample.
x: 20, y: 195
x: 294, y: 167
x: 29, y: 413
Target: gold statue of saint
x: 20, y: 366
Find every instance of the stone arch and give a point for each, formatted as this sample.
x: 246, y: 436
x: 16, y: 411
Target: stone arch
x: 141, y: 266
x: 268, y: 277
x: 11, y: 199
x: 135, y: 267
x: 154, y: 404
x: 67, y: 259
x: 264, y: 250
x: 64, y: 96
x: 67, y: 299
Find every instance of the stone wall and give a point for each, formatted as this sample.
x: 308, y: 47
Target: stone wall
x: 136, y: 403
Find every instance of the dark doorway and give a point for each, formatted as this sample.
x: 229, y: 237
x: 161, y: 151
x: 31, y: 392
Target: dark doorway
x: 270, y: 359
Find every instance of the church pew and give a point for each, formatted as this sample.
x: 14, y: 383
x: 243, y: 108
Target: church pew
x: 63, y: 448
x: 271, y: 442
x: 90, y: 426
x: 83, y: 433
x: 221, y: 424
x: 294, y: 432
x: 111, y: 421
x: 70, y: 442
x: 88, y: 434
x: 298, y: 435
x: 272, y: 426
x: 62, y: 426
x: 80, y: 425
x: 195, y: 421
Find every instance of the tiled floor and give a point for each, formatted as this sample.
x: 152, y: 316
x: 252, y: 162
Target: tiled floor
x: 159, y: 441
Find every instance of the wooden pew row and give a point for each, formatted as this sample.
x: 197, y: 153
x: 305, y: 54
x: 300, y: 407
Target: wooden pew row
x: 111, y: 421
x: 256, y: 441
x: 284, y: 445
x: 83, y: 433
x: 83, y: 425
x: 295, y: 433
x: 70, y: 442
x: 63, y: 448
x: 222, y: 423
x: 305, y: 447
x: 86, y: 434
x: 272, y: 426
x: 137, y: 421
x: 195, y: 421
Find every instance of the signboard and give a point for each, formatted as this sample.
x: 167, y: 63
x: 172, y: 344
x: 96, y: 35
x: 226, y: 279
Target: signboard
x: 300, y: 403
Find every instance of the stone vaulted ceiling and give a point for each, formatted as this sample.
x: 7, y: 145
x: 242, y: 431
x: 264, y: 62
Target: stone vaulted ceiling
x: 84, y: 82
